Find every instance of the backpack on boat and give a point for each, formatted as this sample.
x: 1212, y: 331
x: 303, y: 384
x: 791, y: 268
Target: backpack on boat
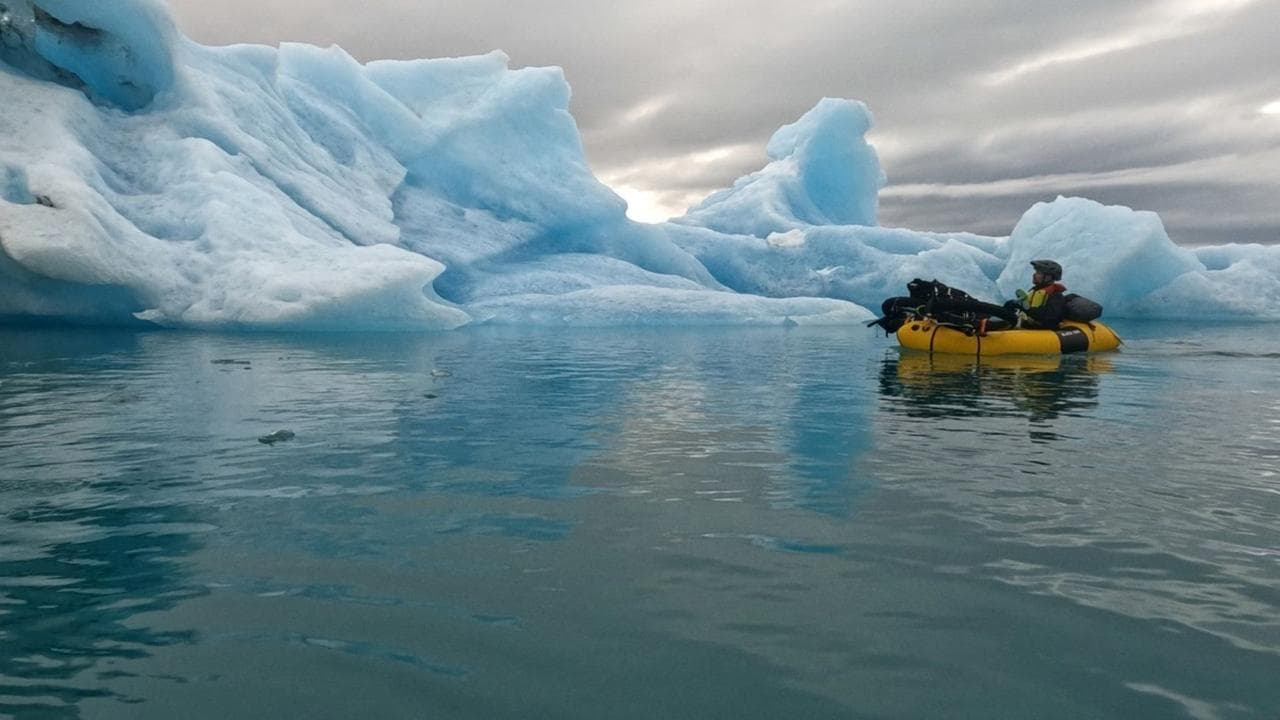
x: 1080, y: 308
x: 895, y: 311
x: 934, y: 290
x: 924, y: 297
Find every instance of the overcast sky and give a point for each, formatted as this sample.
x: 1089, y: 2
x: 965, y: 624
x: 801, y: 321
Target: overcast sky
x: 981, y: 107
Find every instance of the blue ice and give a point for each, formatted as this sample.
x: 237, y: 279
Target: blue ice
x: 147, y: 179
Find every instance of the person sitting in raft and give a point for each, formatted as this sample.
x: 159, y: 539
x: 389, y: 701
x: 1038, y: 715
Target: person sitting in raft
x: 1044, y: 306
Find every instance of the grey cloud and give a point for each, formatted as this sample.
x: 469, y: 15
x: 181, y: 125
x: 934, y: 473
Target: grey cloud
x: 1191, y: 214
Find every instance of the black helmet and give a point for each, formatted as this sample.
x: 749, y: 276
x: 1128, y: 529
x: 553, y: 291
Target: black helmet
x: 1048, y: 268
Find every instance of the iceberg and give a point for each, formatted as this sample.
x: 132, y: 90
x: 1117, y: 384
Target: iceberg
x: 149, y: 180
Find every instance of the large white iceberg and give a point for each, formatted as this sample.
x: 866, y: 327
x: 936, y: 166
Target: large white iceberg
x: 147, y: 179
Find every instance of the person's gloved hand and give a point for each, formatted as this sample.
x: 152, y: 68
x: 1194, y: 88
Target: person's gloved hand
x: 1020, y: 294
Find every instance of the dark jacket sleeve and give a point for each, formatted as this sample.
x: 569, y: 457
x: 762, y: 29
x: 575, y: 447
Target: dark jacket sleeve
x: 1051, y: 313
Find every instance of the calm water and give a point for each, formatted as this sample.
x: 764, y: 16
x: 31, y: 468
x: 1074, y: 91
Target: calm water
x: 637, y: 524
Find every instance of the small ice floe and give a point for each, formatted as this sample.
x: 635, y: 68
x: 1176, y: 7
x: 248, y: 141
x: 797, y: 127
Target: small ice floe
x: 275, y: 437
x: 438, y: 373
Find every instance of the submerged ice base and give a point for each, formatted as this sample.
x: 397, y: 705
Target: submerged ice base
x: 147, y: 179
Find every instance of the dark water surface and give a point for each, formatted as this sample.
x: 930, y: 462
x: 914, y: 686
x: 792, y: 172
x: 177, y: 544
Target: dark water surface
x: 801, y: 523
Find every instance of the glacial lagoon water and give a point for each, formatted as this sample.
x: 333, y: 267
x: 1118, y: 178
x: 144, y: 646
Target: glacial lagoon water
x: 685, y: 523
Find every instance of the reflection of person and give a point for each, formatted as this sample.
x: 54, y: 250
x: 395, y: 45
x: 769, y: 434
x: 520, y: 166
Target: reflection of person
x: 1041, y: 387
x: 1045, y: 304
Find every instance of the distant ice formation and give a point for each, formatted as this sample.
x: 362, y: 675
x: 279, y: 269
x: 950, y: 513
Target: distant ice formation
x: 147, y: 179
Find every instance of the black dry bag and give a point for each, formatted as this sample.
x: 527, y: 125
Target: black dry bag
x: 934, y: 290
x: 1081, y: 308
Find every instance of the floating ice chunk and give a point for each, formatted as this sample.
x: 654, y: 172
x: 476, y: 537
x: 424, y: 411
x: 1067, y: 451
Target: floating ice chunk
x: 1111, y: 254
x: 823, y: 172
x: 1242, y: 282
x: 622, y: 306
x: 862, y: 265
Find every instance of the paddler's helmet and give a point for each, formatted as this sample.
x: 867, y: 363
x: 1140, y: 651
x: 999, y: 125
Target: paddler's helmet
x: 1048, y: 268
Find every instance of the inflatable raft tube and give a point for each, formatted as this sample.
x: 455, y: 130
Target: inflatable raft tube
x: 1070, y: 337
